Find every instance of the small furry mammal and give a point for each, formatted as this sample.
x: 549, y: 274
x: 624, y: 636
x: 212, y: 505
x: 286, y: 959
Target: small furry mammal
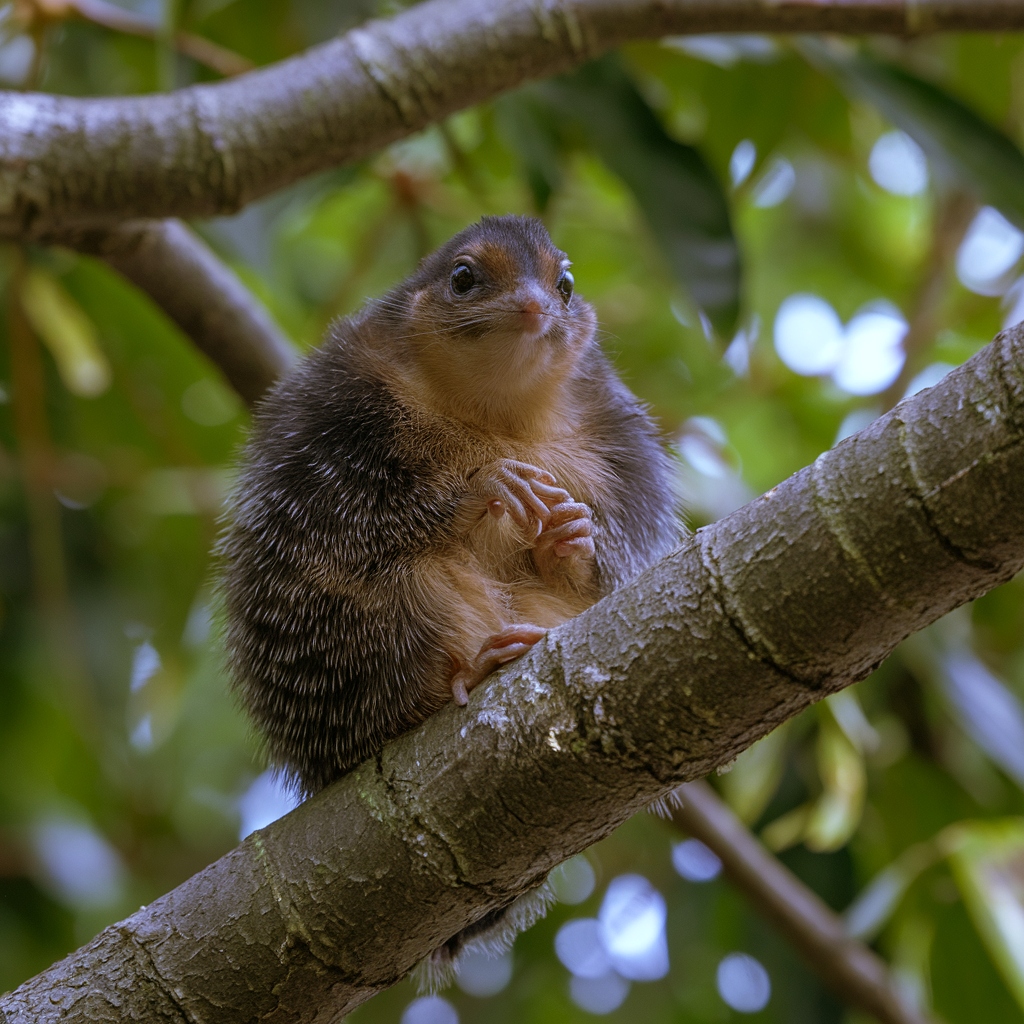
x: 456, y: 470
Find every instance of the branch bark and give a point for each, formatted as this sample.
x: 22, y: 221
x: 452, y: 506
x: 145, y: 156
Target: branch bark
x: 210, y: 149
x: 201, y: 295
x: 792, y: 597
x: 848, y: 967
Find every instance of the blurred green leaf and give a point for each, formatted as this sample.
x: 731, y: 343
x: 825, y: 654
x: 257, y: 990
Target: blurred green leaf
x: 850, y: 717
x: 987, y: 858
x: 878, y: 900
x: 787, y: 830
x: 532, y: 130
x: 68, y: 332
x: 827, y: 822
x: 756, y: 775
x: 968, y: 148
x: 681, y: 198
x: 838, y: 810
x: 911, y: 968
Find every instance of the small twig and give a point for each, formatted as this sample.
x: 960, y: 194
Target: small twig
x: 845, y: 965
x: 201, y: 295
x: 43, y: 13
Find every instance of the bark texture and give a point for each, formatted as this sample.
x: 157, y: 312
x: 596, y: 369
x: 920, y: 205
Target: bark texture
x: 210, y: 149
x: 792, y: 597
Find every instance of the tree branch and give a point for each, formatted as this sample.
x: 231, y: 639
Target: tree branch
x: 210, y: 149
x: 201, y: 295
x: 848, y: 967
x: 792, y: 597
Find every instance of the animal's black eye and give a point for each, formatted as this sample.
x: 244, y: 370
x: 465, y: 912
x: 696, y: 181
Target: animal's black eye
x: 462, y: 279
x: 564, y: 286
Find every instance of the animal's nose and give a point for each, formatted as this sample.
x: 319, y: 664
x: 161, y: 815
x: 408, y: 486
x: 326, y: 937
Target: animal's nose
x: 531, y: 313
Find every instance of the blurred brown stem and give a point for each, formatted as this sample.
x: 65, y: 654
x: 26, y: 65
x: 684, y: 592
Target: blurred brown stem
x: 28, y: 400
x: 848, y: 967
x: 38, y: 460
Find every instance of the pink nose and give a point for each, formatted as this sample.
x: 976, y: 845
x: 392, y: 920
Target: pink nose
x: 532, y: 315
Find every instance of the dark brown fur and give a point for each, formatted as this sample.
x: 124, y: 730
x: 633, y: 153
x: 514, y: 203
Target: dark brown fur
x: 361, y: 565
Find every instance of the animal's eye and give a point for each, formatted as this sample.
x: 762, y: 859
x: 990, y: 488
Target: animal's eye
x: 462, y: 279
x: 564, y: 286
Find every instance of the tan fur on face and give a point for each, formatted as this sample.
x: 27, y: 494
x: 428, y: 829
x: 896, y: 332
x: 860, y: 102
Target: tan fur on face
x: 499, y: 378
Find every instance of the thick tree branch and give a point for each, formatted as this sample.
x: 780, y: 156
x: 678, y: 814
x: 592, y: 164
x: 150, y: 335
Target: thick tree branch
x: 848, y: 967
x: 212, y: 148
x: 799, y: 593
x: 201, y: 295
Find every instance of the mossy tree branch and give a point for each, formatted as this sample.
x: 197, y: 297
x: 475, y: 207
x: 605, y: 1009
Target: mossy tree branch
x: 794, y: 596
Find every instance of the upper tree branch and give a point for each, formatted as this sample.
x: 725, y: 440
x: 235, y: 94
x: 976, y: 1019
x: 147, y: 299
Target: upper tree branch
x: 799, y: 593
x: 210, y: 149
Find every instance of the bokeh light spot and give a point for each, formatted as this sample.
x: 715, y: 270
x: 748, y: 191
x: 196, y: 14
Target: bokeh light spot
x: 928, y: 378
x: 632, y: 919
x: 743, y: 983
x: 775, y: 184
x: 16, y: 57
x: 988, y: 252
x: 808, y: 335
x: 430, y: 1010
x: 480, y: 974
x: 81, y: 866
x: 898, y: 164
x: 855, y: 421
x: 578, y: 945
x: 573, y: 881
x: 599, y: 995
x: 872, y: 356
x: 742, y: 161
x: 695, y: 861
x: 266, y: 800
x: 145, y: 665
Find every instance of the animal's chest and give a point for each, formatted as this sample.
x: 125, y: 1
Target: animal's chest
x: 577, y: 467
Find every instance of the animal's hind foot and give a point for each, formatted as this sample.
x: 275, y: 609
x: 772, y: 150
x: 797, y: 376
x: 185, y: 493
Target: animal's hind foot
x: 503, y: 647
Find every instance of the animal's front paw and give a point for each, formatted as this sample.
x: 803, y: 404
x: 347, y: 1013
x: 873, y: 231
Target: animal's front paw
x: 523, y: 492
x: 566, y: 541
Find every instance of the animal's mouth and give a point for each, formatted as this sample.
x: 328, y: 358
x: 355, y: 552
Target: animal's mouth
x: 533, y: 319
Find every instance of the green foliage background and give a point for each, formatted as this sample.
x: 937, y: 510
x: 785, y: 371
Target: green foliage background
x: 105, y: 574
